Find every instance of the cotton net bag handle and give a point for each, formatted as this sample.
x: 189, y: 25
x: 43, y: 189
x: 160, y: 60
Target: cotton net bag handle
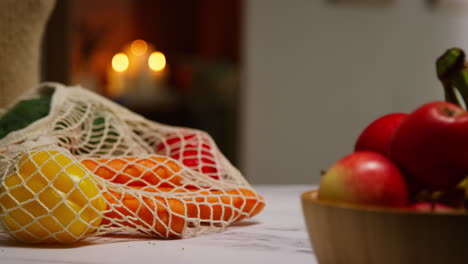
x: 111, y: 170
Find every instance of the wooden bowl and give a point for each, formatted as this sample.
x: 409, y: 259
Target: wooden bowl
x: 358, y: 235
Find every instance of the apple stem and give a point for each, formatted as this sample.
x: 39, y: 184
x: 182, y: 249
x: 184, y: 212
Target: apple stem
x: 452, y: 71
x: 450, y: 95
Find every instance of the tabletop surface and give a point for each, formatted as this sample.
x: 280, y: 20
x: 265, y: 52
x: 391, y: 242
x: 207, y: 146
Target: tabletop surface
x: 277, y: 235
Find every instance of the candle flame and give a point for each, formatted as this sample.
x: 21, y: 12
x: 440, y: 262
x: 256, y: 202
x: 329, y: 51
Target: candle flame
x: 157, y: 61
x: 138, y: 47
x: 120, y: 62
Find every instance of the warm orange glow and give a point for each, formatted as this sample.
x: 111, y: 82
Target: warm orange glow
x: 120, y: 62
x: 139, y: 47
x: 157, y: 61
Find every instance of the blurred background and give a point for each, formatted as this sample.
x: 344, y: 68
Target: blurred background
x: 284, y: 87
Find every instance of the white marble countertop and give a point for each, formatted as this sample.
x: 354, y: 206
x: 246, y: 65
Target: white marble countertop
x: 277, y: 235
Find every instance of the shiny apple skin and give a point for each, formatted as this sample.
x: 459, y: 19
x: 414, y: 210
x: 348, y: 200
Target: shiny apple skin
x: 378, y: 134
x: 431, y: 145
x: 364, y: 178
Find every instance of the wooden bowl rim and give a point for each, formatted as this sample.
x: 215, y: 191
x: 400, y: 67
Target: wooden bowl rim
x: 311, y: 197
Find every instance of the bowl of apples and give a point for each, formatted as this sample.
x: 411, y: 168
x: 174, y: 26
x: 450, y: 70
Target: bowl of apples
x: 341, y: 233
x: 401, y: 195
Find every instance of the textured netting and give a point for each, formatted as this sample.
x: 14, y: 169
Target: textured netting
x: 92, y: 167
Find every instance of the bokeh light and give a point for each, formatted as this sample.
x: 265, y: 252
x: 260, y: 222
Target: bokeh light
x: 120, y: 62
x: 157, y: 61
x: 139, y: 47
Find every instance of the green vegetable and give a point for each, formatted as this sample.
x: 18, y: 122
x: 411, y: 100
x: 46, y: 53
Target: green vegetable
x: 23, y: 114
x: 102, y: 136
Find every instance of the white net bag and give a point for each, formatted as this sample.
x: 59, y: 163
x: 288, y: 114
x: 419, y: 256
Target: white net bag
x: 92, y: 167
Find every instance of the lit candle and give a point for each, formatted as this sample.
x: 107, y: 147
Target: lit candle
x: 117, y: 79
x: 138, y: 75
x: 157, y: 65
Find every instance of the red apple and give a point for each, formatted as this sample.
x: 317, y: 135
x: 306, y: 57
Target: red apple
x: 377, y: 135
x: 431, y: 145
x: 428, y: 207
x: 364, y: 178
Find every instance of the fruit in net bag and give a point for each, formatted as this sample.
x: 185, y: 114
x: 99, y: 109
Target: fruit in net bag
x: 196, y: 151
x: 50, y: 197
x: 154, y: 180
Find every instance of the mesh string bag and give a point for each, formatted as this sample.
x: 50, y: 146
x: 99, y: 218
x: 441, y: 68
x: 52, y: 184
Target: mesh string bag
x: 92, y: 167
